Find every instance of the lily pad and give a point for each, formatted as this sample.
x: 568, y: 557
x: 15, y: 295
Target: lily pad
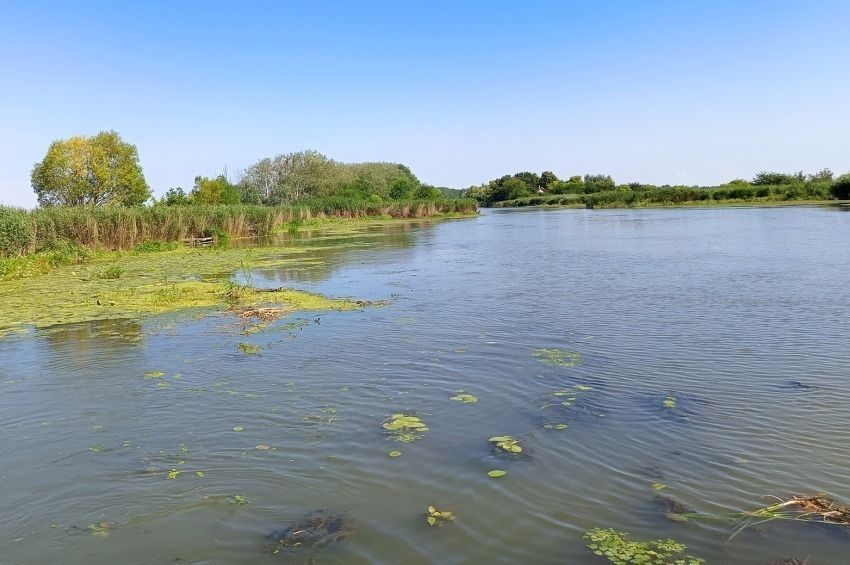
x: 506, y: 444
x: 404, y: 428
x: 436, y: 517
x: 669, y: 402
x: 463, y: 396
x: 496, y: 473
x: 394, y: 453
x: 238, y: 428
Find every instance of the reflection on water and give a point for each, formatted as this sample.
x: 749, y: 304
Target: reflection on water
x: 645, y: 361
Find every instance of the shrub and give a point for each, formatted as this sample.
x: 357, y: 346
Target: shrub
x: 841, y: 187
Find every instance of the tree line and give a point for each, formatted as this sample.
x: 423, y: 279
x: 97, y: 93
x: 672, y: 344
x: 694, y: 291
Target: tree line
x: 105, y: 170
x: 525, y: 187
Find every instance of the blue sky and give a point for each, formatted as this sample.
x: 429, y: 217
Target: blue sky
x: 462, y: 92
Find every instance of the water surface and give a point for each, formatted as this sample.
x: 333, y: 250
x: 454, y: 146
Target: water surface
x: 742, y: 315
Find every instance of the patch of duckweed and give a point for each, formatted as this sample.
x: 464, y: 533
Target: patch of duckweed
x: 669, y: 402
x: 173, y: 474
x: 496, y: 473
x: 463, y: 396
x: 506, y: 444
x: 436, y: 517
x: 154, y: 374
x: 619, y: 549
x: 557, y: 357
x: 404, y: 427
x: 248, y: 349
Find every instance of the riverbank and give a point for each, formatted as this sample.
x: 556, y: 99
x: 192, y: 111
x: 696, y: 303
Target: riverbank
x: 588, y: 201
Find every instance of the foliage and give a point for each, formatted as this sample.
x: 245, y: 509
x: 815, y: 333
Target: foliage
x: 15, y: 231
x: 598, y: 183
x: 436, y: 517
x: 214, y: 191
x: 463, y: 396
x: 175, y: 197
x: 496, y: 473
x: 507, y: 444
x: 404, y: 427
x: 841, y: 187
x: 557, y: 357
x: 619, y: 549
x: 773, y: 178
x: 90, y: 171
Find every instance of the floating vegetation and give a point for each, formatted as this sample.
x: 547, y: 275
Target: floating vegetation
x: 154, y: 374
x: 238, y: 429
x: 436, y: 517
x: 463, y: 396
x: 496, y: 473
x: 557, y: 357
x: 394, y: 453
x: 101, y: 529
x: 558, y: 426
x: 618, y: 548
x: 506, y: 444
x: 237, y: 500
x: 316, y: 530
x: 248, y: 349
x: 658, y: 486
x: 669, y: 402
x: 173, y: 474
x: 262, y: 447
x: 817, y: 508
x: 404, y: 427
x: 674, y: 510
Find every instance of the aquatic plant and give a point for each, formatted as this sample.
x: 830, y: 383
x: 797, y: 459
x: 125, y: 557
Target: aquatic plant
x: 619, y: 549
x: 669, y: 402
x: 248, y: 349
x: 557, y: 357
x: 404, y: 427
x: 463, y: 396
x: 556, y: 426
x: 496, y: 473
x: 506, y: 444
x: 394, y: 453
x: 436, y: 517
x: 111, y: 273
x: 315, y: 530
x: 237, y: 500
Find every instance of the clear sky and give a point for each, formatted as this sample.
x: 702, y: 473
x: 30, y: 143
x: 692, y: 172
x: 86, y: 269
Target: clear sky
x: 690, y: 92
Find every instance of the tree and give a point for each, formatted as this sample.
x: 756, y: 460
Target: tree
x: 823, y: 175
x: 174, y: 197
x: 841, y: 187
x: 598, y: 183
x: 547, y: 179
x: 90, y: 171
x: 769, y: 178
x: 214, y: 191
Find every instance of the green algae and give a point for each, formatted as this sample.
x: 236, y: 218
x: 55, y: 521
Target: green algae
x: 619, y: 549
x: 180, y: 280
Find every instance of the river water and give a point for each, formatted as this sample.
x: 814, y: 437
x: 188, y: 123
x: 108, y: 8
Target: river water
x: 742, y: 316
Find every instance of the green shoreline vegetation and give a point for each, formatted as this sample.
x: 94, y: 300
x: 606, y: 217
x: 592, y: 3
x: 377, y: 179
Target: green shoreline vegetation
x: 600, y: 191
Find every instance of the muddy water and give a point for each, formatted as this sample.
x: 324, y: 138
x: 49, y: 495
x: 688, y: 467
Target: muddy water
x: 161, y: 441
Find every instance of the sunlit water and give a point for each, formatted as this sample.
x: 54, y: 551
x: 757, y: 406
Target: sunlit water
x: 742, y: 315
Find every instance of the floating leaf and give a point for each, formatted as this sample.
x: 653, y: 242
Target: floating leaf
x: 404, y: 428
x: 658, y: 486
x: 436, y: 517
x: 238, y: 428
x: 669, y: 402
x: 394, y: 453
x: 173, y: 474
x: 154, y: 374
x: 463, y: 396
x: 200, y: 474
x: 496, y: 473
x: 507, y: 444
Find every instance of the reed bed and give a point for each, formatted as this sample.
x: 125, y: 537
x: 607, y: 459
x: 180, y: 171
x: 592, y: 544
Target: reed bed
x: 24, y: 232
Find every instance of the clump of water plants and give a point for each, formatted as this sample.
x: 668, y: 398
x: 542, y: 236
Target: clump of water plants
x: 248, y: 349
x: 111, y: 273
x: 315, y: 530
x: 101, y: 529
x: 463, y: 396
x: 669, y: 402
x: 619, y: 549
x: 404, y: 427
x: 557, y: 357
x: 436, y: 517
x: 237, y: 500
x: 506, y: 444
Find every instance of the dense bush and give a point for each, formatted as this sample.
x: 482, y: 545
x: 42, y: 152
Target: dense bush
x: 841, y: 187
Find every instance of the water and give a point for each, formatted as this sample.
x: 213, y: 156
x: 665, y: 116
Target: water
x: 743, y: 315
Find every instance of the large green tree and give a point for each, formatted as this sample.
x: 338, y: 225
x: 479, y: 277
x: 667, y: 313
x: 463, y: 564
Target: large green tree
x: 90, y: 171
x: 214, y: 191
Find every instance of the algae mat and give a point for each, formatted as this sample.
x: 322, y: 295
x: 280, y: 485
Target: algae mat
x: 153, y: 283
